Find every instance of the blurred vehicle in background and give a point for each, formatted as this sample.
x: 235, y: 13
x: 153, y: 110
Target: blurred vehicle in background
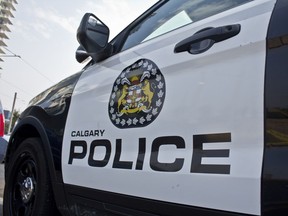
x: 3, y: 138
x: 2, y: 121
x: 7, y: 115
x: 3, y: 146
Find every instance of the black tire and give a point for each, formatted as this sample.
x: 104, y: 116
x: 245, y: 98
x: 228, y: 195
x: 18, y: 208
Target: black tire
x: 28, y: 190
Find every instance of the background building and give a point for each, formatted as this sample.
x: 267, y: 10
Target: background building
x: 6, y: 9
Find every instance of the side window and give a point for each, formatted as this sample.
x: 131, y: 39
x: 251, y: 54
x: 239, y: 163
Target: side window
x: 174, y: 14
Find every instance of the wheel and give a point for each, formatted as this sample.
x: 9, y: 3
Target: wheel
x: 28, y: 190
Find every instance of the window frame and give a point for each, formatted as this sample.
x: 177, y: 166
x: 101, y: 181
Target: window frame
x: 119, y: 40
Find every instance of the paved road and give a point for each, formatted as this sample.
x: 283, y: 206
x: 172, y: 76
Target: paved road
x: 1, y: 186
x: 3, y: 146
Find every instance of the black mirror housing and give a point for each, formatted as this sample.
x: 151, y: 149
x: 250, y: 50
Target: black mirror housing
x: 93, y: 36
x: 81, y: 55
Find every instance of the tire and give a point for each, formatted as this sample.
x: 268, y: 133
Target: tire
x: 28, y: 190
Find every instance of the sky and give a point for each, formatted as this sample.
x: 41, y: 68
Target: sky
x: 43, y: 34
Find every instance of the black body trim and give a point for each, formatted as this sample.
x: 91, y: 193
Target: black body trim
x: 275, y: 172
x: 87, y: 199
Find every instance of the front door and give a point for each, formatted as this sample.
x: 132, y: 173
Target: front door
x: 177, y: 115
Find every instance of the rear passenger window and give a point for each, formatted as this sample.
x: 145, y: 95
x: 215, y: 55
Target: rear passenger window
x: 174, y: 14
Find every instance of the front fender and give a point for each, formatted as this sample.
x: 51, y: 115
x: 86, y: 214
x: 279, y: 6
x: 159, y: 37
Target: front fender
x: 30, y: 126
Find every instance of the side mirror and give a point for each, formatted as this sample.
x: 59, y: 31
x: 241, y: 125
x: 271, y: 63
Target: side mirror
x: 93, y: 36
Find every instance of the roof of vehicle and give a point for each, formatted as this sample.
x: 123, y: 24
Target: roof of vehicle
x: 7, y: 114
x: 1, y: 109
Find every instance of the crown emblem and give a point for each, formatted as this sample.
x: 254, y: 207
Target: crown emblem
x: 137, y: 96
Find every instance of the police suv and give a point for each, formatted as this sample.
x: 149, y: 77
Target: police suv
x: 185, y: 112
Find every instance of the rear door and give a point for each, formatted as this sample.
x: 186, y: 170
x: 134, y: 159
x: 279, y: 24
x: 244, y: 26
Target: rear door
x: 177, y: 115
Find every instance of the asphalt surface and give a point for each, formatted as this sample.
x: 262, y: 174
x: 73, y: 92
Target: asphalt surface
x: 1, y: 186
x: 3, y: 146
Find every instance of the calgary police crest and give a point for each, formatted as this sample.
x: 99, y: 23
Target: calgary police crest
x: 137, y: 96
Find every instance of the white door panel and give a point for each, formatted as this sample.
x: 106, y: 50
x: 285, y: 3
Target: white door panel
x: 218, y: 93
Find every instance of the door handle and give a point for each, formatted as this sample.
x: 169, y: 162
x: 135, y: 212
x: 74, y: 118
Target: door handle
x: 204, y: 39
